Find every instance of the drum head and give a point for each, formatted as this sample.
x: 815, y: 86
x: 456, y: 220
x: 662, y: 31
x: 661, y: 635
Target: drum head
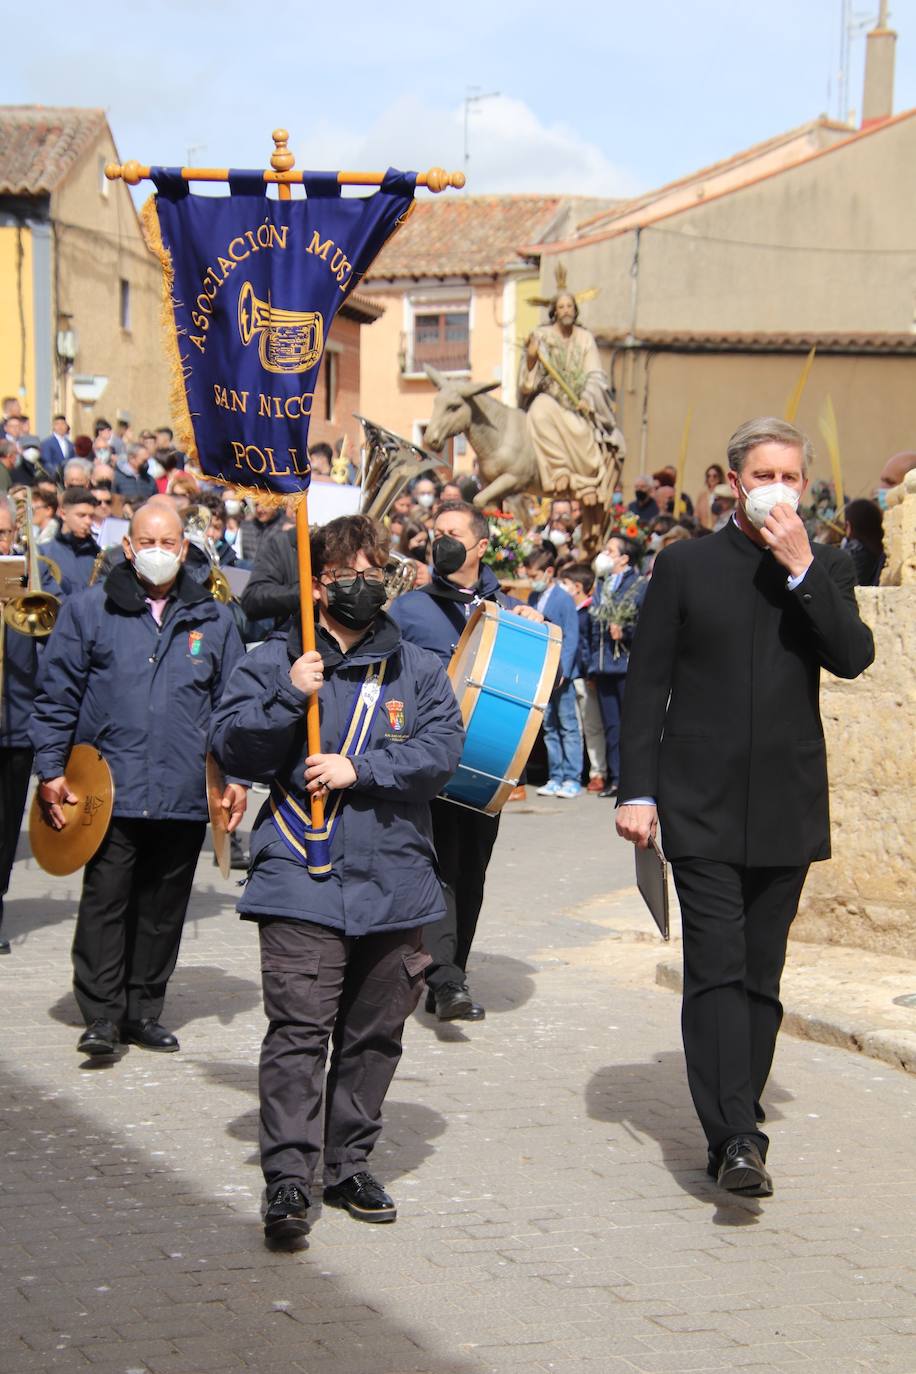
x: 216, y: 786
x: 60, y: 852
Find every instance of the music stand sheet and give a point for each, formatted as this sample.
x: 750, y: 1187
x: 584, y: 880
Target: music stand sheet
x: 652, y: 881
x: 12, y: 575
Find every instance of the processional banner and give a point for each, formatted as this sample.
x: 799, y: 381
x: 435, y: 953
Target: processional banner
x: 251, y: 286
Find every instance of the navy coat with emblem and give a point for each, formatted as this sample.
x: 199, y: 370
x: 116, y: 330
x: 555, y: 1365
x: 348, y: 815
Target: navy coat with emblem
x: 382, y: 856
x: 142, y: 693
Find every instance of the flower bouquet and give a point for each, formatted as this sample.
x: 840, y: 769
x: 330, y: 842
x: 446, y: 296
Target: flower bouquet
x: 508, y: 545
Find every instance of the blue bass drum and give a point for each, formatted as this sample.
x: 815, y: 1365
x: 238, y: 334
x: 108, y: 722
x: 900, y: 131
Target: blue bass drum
x: 503, y: 671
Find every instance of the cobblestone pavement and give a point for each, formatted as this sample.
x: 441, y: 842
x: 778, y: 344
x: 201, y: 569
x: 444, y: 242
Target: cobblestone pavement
x: 554, y: 1212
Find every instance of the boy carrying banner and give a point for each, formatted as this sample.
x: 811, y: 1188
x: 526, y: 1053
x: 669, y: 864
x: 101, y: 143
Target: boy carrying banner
x: 342, y: 955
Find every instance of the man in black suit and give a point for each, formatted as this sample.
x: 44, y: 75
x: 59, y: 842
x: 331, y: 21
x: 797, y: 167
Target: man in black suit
x: 721, y: 729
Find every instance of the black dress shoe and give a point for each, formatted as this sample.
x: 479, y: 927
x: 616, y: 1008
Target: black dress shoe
x: 609, y: 791
x: 100, y: 1038
x: 363, y: 1197
x: 150, y: 1036
x: 741, y: 1169
x: 5, y: 947
x: 453, y: 1002
x: 286, y: 1218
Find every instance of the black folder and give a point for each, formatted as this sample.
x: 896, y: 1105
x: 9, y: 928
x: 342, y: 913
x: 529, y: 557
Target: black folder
x: 652, y: 881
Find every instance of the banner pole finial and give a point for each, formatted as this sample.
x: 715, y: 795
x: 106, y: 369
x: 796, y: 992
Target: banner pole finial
x: 281, y: 159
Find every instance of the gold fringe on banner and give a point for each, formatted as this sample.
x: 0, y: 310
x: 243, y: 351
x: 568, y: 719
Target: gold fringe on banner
x: 178, y: 396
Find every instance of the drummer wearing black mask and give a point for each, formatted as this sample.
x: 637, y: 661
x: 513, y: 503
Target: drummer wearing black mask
x: 434, y: 617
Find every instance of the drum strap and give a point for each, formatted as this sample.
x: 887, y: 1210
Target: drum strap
x: 292, y: 823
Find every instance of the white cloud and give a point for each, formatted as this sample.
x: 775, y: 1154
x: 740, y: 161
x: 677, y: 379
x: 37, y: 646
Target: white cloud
x: 511, y: 149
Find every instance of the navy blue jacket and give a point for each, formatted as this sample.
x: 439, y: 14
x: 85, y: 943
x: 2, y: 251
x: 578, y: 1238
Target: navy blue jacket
x: 382, y: 854
x: 133, y: 486
x: 600, y: 658
x: 141, y: 693
x: 20, y: 668
x: 434, y: 616
x: 558, y: 607
x: 75, y: 558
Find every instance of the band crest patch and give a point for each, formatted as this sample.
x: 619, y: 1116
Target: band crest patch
x: 395, y: 712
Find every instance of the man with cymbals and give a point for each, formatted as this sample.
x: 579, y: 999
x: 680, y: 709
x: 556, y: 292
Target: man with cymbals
x: 135, y: 667
x: 434, y: 618
x: 342, y: 913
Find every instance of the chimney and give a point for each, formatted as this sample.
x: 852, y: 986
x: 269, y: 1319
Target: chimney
x: 878, y: 96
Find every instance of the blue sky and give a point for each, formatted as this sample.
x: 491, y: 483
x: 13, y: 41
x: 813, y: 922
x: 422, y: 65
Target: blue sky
x: 594, y: 98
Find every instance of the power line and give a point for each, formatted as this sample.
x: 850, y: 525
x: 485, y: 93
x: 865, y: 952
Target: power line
x: 778, y: 247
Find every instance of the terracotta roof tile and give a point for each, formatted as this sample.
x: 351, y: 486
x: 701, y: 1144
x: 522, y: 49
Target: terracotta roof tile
x: 461, y: 235
x: 39, y: 145
x: 680, y: 341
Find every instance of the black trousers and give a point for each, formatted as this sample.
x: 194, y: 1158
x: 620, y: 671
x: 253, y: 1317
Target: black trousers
x: 15, y: 771
x: 736, y: 925
x: 135, y: 896
x: 321, y: 985
x: 464, y: 841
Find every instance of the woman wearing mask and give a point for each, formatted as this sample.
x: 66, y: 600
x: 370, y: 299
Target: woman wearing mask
x: 713, y: 477
x: 618, y: 596
x: 235, y: 514
x: 425, y: 493
x: 865, y: 540
x: 342, y: 954
x: 414, y: 542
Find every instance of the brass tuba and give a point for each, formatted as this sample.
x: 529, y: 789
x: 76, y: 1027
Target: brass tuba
x: 288, y: 340
x: 34, y: 611
x: 400, y: 575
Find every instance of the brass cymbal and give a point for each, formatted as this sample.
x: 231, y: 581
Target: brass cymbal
x: 60, y: 852
x: 216, y: 786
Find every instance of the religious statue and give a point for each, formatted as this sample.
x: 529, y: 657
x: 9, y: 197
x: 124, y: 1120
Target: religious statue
x: 565, y: 393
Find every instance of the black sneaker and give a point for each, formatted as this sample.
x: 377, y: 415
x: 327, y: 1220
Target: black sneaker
x: 363, y: 1197
x: 100, y: 1038
x: 286, y: 1216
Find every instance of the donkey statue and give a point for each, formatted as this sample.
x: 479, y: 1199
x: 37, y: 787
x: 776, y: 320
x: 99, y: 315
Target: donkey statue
x: 499, y: 435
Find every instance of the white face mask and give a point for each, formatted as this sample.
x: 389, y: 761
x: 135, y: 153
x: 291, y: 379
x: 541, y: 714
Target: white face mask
x: 425, y: 499
x: 603, y: 565
x: 759, y: 501
x: 156, y: 566
x: 154, y: 469
x: 558, y: 538
x: 232, y: 507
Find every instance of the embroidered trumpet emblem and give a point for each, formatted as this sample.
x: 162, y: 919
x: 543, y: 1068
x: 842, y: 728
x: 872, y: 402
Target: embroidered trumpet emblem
x: 288, y: 340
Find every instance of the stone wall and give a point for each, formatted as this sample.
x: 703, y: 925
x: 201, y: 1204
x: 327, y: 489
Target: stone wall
x: 865, y: 895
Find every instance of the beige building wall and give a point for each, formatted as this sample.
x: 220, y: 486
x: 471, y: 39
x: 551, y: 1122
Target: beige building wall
x: 403, y: 402
x: 826, y: 246
x: 864, y: 895
x: 17, y: 338
x: 874, y: 399
x: 98, y: 243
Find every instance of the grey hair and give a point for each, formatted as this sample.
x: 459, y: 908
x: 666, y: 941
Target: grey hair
x: 766, y: 429
x: 82, y: 465
x: 134, y: 449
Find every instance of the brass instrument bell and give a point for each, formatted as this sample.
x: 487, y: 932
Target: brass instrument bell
x: 34, y: 611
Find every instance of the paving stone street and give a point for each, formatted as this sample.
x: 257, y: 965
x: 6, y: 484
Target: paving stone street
x: 554, y: 1212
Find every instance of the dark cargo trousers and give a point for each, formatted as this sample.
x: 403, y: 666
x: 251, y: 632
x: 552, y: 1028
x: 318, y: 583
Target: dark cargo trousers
x: 319, y: 986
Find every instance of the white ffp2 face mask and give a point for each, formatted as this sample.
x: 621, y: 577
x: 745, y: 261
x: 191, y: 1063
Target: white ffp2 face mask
x: 603, y: 564
x: 156, y: 566
x: 759, y: 501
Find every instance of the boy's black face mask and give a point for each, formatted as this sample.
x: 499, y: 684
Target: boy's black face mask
x: 356, y: 606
